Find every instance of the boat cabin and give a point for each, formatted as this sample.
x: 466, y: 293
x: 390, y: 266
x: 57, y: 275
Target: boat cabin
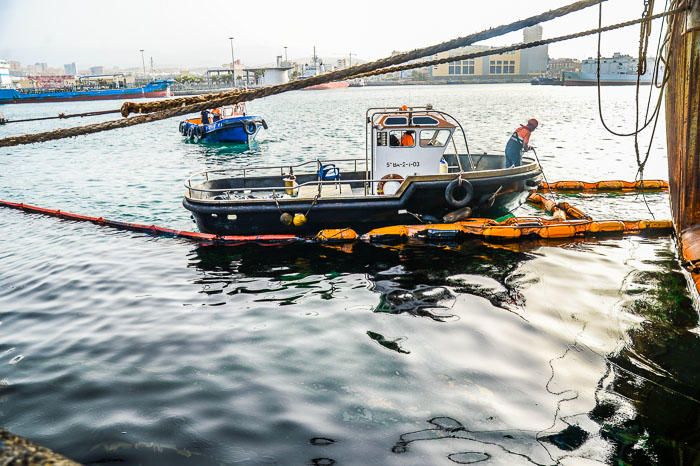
x: 408, y: 142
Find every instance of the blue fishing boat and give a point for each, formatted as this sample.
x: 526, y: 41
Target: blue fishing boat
x: 223, y: 124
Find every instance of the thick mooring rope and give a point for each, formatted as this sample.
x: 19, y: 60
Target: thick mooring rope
x: 148, y: 107
x: 187, y: 105
x: 511, y: 48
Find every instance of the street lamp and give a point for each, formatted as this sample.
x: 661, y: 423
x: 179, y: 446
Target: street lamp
x: 233, y: 63
x: 350, y: 64
x: 285, y: 55
x: 143, y: 62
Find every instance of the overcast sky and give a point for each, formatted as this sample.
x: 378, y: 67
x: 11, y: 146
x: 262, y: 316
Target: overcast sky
x: 195, y: 34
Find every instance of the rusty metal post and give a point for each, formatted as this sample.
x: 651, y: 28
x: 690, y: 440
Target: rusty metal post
x: 683, y: 132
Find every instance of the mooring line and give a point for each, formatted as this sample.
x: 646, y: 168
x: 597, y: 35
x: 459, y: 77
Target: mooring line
x: 188, y: 105
x: 60, y: 116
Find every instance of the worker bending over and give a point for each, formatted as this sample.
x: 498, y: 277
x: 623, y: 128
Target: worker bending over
x: 519, y: 142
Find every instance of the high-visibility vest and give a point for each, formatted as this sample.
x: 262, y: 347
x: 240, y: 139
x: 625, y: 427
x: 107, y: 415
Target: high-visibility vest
x: 521, y: 136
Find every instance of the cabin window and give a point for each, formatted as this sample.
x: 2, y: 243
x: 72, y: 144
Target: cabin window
x: 434, y: 137
x: 381, y: 138
x: 424, y: 121
x: 402, y: 138
x: 396, y: 121
x: 228, y: 111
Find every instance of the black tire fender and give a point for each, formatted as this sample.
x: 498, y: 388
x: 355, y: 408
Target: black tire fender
x: 459, y: 193
x: 197, y: 133
x: 249, y: 127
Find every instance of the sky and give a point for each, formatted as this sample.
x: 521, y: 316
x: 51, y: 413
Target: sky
x: 186, y: 33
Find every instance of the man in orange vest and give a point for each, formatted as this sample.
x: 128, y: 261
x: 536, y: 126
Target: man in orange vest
x: 407, y: 139
x: 519, y: 142
x: 216, y: 113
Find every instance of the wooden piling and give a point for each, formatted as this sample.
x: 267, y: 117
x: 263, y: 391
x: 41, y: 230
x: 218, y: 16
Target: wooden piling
x: 683, y: 132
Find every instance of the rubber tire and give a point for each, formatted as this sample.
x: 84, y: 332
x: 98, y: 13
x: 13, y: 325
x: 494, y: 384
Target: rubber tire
x: 197, y: 133
x: 249, y: 127
x: 183, y: 128
x: 453, y: 188
x: 190, y: 133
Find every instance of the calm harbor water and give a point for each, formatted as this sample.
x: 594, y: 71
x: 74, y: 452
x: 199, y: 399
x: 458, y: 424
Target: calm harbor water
x: 118, y: 347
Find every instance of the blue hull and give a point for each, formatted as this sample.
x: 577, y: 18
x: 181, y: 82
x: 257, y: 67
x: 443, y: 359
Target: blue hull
x: 237, y: 130
x: 153, y: 89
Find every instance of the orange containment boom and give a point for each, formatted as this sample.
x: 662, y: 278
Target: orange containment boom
x: 520, y: 227
x: 511, y: 229
x: 565, y: 208
x: 150, y: 229
x: 609, y: 185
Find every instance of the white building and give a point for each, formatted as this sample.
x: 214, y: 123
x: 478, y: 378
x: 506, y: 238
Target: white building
x: 267, y: 76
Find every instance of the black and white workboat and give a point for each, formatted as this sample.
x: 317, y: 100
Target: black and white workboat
x: 408, y: 176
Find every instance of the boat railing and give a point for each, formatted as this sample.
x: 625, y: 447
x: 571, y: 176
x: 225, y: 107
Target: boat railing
x: 276, y: 192
x: 244, y: 172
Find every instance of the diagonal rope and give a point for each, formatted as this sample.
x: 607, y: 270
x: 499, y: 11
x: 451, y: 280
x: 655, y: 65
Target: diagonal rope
x: 148, y: 107
x: 511, y: 48
x: 245, y: 95
x: 184, y: 106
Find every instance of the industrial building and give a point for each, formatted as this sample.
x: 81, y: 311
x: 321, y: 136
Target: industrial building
x: 516, y: 66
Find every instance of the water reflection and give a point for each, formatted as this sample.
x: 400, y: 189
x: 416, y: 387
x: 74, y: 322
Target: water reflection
x: 404, y: 276
x: 646, y: 401
x: 657, y: 373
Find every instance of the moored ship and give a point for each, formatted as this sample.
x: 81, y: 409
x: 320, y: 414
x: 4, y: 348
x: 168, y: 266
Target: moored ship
x: 12, y: 95
x: 317, y: 68
x: 331, y: 85
x: 618, y: 70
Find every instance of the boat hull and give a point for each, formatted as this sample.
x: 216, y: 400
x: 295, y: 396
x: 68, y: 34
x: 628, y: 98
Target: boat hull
x: 570, y: 78
x: 235, y: 135
x: 420, y: 202
x: 331, y: 85
x: 13, y: 96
